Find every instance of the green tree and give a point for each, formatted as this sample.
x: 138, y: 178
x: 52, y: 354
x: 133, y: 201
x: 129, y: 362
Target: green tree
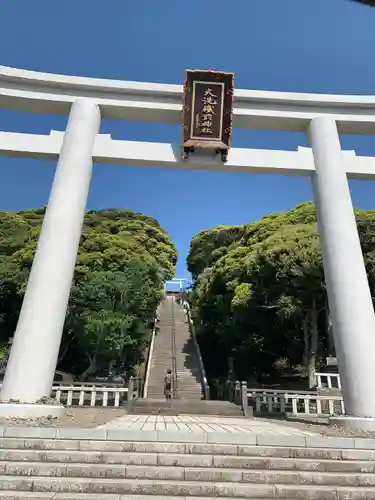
x: 371, y: 3
x: 122, y: 262
x: 263, y: 296
x: 110, y: 314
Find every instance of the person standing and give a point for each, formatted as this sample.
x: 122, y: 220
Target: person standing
x: 168, y: 385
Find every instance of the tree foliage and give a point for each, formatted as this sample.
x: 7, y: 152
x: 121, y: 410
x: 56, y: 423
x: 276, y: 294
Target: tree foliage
x: 371, y: 3
x: 260, y: 294
x: 122, y: 262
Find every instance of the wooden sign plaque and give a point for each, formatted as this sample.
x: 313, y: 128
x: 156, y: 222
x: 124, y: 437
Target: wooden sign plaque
x: 207, y: 112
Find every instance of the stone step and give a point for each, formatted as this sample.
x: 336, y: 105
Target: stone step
x: 19, y: 457
x: 183, y: 474
x: 188, y: 386
x: 82, y: 443
x: 30, y: 495
x: 187, y: 379
x: 180, y: 326
x: 182, y: 395
x: 183, y: 488
x: 88, y: 443
x: 181, y: 406
x: 191, y: 398
x: 184, y: 460
x: 185, y: 390
x: 80, y: 469
x: 188, y: 389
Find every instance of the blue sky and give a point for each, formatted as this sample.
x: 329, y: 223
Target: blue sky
x: 323, y: 46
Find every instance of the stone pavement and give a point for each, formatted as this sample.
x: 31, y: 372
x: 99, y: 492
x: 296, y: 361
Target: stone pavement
x: 207, y: 424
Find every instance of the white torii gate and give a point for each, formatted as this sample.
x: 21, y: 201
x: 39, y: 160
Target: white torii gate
x: 37, y: 338
x: 174, y: 282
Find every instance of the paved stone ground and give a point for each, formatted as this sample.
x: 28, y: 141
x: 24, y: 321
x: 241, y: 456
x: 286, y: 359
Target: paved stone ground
x: 321, y: 426
x: 116, y: 418
x: 190, y: 423
x: 86, y: 418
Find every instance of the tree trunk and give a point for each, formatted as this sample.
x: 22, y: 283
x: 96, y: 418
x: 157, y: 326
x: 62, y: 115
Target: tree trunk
x: 314, y: 339
x: 92, y: 359
x: 90, y: 369
x: 64, y: 352
x: 306, y: 341
x: 330, y: 341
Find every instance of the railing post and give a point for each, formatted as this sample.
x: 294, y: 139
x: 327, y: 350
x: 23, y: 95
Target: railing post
x: 227, y: 390
x: 237, y: 392
x: 244, y: 398
x: 206, y: 390
x: 130, y: 393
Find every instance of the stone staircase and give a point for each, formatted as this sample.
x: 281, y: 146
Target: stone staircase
x: 173, y: 326
x: 121, y: 467
x: 174, y: 329
x: 185, y: 407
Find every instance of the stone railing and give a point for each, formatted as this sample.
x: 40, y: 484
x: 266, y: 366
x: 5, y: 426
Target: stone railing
x: 91, y: 384
x: 98, y: 394
x: 236, y: 392
x: 150, y: 353
x: 328, y: 380
x: 92, y: 395
x: 105, y: 394
x: 307, y: 404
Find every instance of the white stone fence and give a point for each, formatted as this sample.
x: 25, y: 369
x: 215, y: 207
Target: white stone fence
x: 95, y: 394
x: 89, y: 395
x: 297, y: 404
x: 328, y: 380
x: 91, y: 384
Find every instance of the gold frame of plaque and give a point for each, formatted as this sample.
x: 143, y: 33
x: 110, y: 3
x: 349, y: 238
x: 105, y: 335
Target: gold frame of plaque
x: 207, y: 112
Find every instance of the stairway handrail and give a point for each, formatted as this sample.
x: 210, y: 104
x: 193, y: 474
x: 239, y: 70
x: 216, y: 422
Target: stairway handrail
x: 206, y: 387
x: 150, y: 352
x: 173, y: 349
